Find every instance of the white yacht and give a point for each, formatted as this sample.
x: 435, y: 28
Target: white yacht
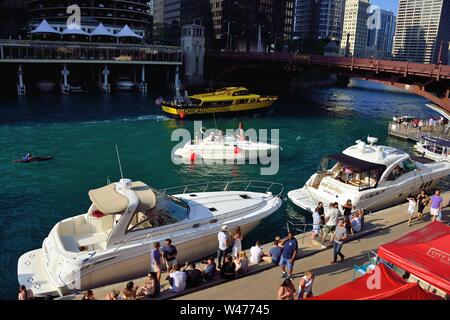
x: 217, y: 146
x: 112, y: 241
x: 372, y: 177
x: 437, y: 149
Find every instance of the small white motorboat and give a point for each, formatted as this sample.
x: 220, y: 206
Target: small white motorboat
x: 433, y: 148
x: 372, y: 177
x: 113, y: 240
x: 125, y: 84
x: 219, y: 146
x: 46, y: 86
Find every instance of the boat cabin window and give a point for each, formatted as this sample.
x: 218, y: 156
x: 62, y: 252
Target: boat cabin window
x: 195, y: 101
x: 168, y: 210
x: 401, y: 169
x: 214, y: 104
x: 241, y: 93
x: 363, y: 175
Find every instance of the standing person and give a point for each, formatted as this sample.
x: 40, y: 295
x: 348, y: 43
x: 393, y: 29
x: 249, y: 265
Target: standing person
x: 305, y: 286
x: 356, y: 223
x: 288, y: 255
x: 331, y: 218
x: 286, y: 291
x: 275, y: 252
x: 237, y: 244
x: 422, y: 201
x: 316, y: 224
x: 223, y: 237
x: 411, y: 208
x: 169, y: 254
x: 321, y: 210
x: 338, y: 240
x: 347, y: 208
x: 241, y: 135
x: 436, y: 206
x: 155, y: 260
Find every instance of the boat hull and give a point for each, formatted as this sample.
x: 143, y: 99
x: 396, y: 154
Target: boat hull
x: 419, y: 148
x: 200, y: 112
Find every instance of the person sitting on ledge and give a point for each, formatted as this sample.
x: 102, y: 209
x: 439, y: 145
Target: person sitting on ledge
x: 177, y: 279
x: 129, y: 293
x: 256, y: 253
x: 88, y: 295
x: 241, y: 263
x: 227, y: 271
x: 210, y: 270
x: 275, y: 252
x: 193, y: 275
x: 151, y: 288
x: 113, y: 295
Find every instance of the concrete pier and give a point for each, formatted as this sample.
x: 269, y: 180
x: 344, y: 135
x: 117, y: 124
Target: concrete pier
x: 262, y: 280
x: 411, y: 133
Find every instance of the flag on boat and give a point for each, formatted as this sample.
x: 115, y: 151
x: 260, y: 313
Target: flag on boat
x: 159, y: 101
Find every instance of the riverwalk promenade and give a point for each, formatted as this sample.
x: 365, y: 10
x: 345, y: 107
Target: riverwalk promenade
x: 262, y: 280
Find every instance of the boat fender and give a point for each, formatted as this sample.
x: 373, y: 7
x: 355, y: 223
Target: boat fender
x: 236, y: 150
x: 193, y: 156
x: 182, y: 115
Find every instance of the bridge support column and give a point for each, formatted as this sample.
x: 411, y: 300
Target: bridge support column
x: 65, y: 89
x: 106, y: 87
x: 21, y: 89
x: 143, y: 84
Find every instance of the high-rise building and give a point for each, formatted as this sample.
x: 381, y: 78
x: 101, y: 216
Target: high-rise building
x: 355, y: 28
x: 158, y: 19
x: 13, y: 18
x: 423, y: 28
x: 318, y: 19
x: 381, y: 38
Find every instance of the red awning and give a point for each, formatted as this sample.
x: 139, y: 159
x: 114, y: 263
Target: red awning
x: 424, y: 253
x: 381, y: 284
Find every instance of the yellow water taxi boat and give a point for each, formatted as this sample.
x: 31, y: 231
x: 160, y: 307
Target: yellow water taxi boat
x: 227, y: 100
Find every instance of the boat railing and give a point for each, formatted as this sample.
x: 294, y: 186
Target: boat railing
x: 302, y: 226
x: 234, y: 185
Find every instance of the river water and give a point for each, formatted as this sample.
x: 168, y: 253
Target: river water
x: 81, y: 131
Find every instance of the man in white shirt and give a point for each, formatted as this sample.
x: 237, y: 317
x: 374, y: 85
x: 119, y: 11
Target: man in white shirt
x: 256, y: 253
x: 223, y: 238
x: 331, y: 218
x: 178, y: 277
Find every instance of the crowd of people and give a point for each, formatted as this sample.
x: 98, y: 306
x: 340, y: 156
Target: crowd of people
x: 431, y: 122
x: 339, y: 221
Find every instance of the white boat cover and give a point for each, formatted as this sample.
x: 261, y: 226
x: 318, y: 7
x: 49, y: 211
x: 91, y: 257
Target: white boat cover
x: 75, y: 30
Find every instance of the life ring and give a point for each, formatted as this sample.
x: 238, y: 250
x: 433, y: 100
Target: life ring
x: 193, y: 156
x: 182, y: 115
x: 236, y: 150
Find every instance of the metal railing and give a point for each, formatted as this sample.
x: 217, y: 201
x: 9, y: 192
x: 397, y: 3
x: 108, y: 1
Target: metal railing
x: 304, y: 225
x: 415, y: 133
x: 234, y: 185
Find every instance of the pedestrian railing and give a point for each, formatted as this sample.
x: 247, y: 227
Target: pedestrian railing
x: 302, y: 226
x: 415, y: 133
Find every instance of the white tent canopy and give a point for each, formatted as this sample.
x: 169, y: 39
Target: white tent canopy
x: 127, y: 32
x: 102, y: 31
x: 74, y: 29
x: 44, y: 27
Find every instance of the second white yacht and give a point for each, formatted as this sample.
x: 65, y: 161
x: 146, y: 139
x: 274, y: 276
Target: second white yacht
x: 372, y: 177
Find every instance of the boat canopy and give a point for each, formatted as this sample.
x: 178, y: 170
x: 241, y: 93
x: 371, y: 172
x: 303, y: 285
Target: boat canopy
x: 109, y: 201
x: 357, y: 164
x: 127, y: 32
x: 439, y: 141
x: 44, y: 27
x: 102, y: 31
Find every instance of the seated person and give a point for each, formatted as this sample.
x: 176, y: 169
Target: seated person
x: 227, y: 271
x: 210, y: 270
x: 194, y: 276
x: 241, y: 263
x: 177, y: 279
x: 28, y: 156
x: 256, y: 253
x: 151, y: 286
x: 275, y: 252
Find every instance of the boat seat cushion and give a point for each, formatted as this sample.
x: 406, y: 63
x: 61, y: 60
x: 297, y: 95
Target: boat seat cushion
x: 70, y: 244
x: 91, y: 239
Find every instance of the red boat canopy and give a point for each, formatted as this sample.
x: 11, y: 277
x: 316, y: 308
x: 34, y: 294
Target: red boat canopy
x: 424, y: 253
x: 381, y: 284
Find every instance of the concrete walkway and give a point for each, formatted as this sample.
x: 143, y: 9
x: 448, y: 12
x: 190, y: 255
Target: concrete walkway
x: 263, y: 280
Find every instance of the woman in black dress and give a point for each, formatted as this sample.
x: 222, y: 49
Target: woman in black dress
x: 422, y: 200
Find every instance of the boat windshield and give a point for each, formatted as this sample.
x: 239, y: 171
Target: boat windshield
x: 352, y: 171
x: 168, y: 210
